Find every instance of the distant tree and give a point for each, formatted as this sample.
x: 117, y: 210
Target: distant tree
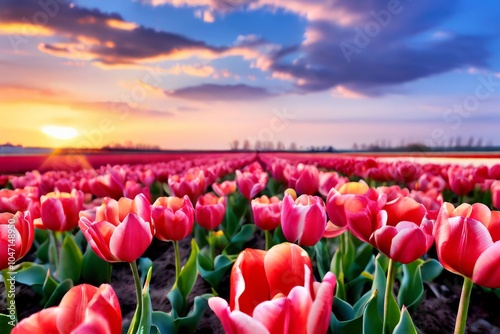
x: 234, y: 145
x: 293, y: 146
x: 246, y: 145
x: 280, y: 146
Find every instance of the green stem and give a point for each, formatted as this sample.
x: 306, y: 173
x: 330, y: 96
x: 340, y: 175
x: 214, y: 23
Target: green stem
x: 53, y: 253
x: 464, y: 306
x: 7, y: 276
x: 269, y: 239
x: 211, y: 245
x: 388, y: 294
x: 177, y: 261
x: 134, y: 325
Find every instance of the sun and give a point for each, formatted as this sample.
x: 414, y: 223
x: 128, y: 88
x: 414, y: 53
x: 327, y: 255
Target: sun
x: 60, y: 132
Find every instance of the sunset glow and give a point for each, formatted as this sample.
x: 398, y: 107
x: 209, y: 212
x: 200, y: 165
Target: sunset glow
x: 60, y: 132
x: 200, y: 75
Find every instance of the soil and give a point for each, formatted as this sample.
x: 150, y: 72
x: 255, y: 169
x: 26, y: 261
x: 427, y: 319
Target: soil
x: 436, y: 314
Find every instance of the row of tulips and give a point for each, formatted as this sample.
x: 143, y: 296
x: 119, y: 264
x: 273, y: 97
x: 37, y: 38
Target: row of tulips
x: 329, y: 243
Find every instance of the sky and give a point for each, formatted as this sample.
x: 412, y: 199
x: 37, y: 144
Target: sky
x: 199, y: 74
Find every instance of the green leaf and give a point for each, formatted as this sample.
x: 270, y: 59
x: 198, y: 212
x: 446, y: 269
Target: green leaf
x: 322, y: 258
x: 7, y: 323
x: 209, y: 273
x: 405, y: 325
x: 31, y: 274
x: 43, y: 251
x: 181, y: 290
x: 70, y: 260
x: 95, y: 270
x: 379, y: 284
x: 431, y: 269
x: 372, y: 321
x: 189, y: 323
x: 231, y: 223
x: 58, y: 293
x: 411, y: 291
x: 146, y: 319
x: 48, y: 288
x: 364, y: 255
x: 145, y: 265
x: 238, y: 240
x: 162, y: 323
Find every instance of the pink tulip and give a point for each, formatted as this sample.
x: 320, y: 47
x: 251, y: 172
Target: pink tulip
x: 468, y: 242
x: 60, y: 211
x: 329, y: 180
x: 13, y: 200
x: 17, y: 233
x: 495, y: 194
x: 191, y: 184
x: 304, y: 179
x: 303, y: 219
x: 251, y: 183
x: 266, y: 212
x: 407, y: 234
x: 225, y: 188
x: 173, y: 218
x: 122, y: 230
x: 210, y: 211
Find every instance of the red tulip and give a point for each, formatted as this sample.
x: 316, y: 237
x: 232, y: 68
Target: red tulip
x: 17, y: 233
x: 13, y: 200
x: 210, y: 211
x: 191, y: 184
x: 225, y: 188
x: 173, y: 218
x: 274, y: 292
x: 266, y: 212
x: 83, y: 309
x: 407, y: 235
x: 303, y: 219
x: 251, y: 183
x: 60, y: 211
x: 110, y: 184
x: 122, y: 230
x: 468, y: 242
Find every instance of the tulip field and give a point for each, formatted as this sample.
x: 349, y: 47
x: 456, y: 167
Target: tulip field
x: 253, y: 243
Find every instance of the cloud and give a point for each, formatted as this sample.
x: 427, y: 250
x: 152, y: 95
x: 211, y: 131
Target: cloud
x: 212, y: 92
x: 105, y: 39
x: 120, y: 108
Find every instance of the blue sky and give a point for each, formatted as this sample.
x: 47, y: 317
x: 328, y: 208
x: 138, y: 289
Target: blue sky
x: 201, y: 73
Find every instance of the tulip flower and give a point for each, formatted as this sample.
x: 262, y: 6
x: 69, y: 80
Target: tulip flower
x: 468, y: 244
x: 251, y: 183
x: 495, y: 193
x: 304, y: 179
x: 303, y: 219
x: 83, y: 309
x: 110, y: 184
x: 122, y: 230
x: 461, y: 181
x: 266, y: 212
x: 173, y: 218
x: 225, y: 188
x: 13, y: 200
x: 266, y: 215
x: 210, y: 211
x: 274, y: 292
x: 407, y: 233
x: 329, y: 180
x: 191, y: 184
x: 60, y: 211
x: 16, y: 237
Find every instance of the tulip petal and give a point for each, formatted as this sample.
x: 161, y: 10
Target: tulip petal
x: 487, y: 269
x: 244, y: 324
x: 52, y: 214
x: 274, y: 315
x: 408, y: 245
x: 300, y: 306
x: 287, y: 265
x: 222, y: 311
x: 459, y: 243
x: 43, y: 322
x: 98, y: 236
x: 73, y: 307
x: 315, y: 221
x: 249, y: 285
x: 131, y: 238
x: 333, y: 230
x: 494, y: 225
x: 319, y: 314
x: 404, y: 209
